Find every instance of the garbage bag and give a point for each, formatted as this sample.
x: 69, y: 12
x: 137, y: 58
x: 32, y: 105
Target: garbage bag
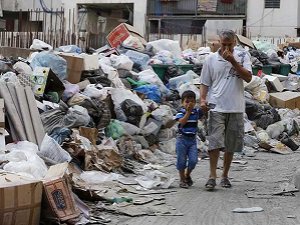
x: 138, y: 58
x: 48, y: 59
x: 23, y: 159
x: 23, y: 68
x: 132, y: 110
x: 95, y: 91
x: 166, y: 44
x: 114, y: 130
x: 151, y: 91
x: 121, y: 62
x: 151, y: 77
x: 60, y: 134
x: 69, y: 49
x: 64, y: 117
x: 70, y: 90
x: 40, y: 45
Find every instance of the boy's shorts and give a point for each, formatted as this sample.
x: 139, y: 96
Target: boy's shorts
x: 226, y: 131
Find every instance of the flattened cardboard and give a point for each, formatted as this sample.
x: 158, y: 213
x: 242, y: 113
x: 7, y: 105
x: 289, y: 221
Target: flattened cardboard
x: 245, y: 41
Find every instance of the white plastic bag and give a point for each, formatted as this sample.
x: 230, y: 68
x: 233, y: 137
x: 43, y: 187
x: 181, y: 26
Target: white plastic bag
x: 189, y: 87
x: 23, y: 159
x: 134, y: 42
x: 52, y: 150
x: 95, y: 91
x: 155, y: 179
x: 163, y: 113
x: 119, y: 95
x: 130, y: 129
x: 151, y: 77
x: 166, y: 44
x: 23, y: 68
x: 112, y: 75
x: 121, y: 62
x: 10, y: 77
x: 40, y: 45
x: 98, y: 177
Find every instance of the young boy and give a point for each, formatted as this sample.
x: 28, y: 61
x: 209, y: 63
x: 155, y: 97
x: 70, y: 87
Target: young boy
x: 186, y: 142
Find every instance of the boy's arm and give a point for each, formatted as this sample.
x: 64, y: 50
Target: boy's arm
x: 185, y: 118
x: 187, y: 114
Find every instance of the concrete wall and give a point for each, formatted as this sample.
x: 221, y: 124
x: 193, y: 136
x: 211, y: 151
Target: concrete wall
x: 140, y: 7
x: 212, y: 27
x: 16, y: 5
x: 273, y: 22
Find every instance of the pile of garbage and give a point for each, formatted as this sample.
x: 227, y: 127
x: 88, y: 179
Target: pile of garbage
x: 101, y: 124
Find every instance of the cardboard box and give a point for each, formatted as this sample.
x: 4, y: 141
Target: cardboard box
x: 20, y: 200
x: 119, y: 34
x: 275, y: 82
x: 75, y: 66
x: 57, y: 195
x: 285, y: 99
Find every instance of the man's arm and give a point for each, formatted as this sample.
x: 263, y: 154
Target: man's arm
x: 242, y: 72
x: 203, y: 96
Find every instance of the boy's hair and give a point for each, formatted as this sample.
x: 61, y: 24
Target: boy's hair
x: 188, y: 94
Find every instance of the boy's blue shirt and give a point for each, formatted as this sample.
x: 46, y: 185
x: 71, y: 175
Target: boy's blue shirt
x: 191, y: 127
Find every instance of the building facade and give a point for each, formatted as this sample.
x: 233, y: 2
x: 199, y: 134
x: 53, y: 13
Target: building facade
x: 273, y: 18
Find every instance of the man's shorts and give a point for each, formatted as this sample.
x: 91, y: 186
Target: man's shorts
x: 226, y: 131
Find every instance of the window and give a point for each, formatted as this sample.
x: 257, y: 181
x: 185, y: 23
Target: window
x: 272, y: 4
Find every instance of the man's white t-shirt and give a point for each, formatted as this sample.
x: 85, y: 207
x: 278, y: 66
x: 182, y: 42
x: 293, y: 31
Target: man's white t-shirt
x: 226, y: 89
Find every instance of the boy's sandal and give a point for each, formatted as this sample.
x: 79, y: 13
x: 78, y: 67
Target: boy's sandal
x: 183, y: 184
x: 225, y: 182
x: 210, y: 184
x: 189, y: 181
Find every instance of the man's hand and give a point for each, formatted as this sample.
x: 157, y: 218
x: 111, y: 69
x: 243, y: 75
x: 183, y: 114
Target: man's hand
x: 228, y: 56
x: 204, y: 106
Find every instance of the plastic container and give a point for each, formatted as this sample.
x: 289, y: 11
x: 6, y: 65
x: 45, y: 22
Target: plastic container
x: 255, y: 70
x: 175, y: 82
x: 160, y: 69
x: 285, y: 69
x: 267, y: 69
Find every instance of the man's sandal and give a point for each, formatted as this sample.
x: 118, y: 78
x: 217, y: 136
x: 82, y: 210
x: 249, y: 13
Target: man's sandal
x: 189, y: 181
x: 225, y: 183
x: 183, y: 184
x: 210, y: 184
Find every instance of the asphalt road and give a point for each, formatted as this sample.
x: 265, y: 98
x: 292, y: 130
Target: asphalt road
x: 260, y: 178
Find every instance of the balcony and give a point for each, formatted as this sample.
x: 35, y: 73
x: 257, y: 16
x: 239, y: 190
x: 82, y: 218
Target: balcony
x: 197, y: 8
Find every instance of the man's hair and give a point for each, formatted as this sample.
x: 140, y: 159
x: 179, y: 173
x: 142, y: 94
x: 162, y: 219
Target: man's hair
x: 188, y: 94
x: 227, y: 34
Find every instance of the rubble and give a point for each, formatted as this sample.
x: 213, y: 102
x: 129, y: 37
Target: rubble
x: 101, y: 125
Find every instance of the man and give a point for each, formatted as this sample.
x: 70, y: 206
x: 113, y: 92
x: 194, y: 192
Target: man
x: 222, y: 93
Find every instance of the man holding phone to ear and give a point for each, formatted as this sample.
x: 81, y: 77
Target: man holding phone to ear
x: 222, y: 87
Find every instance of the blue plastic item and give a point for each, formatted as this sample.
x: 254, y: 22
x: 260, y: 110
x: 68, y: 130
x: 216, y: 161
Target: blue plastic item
x: 48, y: 59
x: 151, y: 91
